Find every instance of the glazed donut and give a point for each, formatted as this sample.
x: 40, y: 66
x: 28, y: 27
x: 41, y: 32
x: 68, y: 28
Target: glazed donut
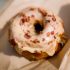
x: 36, y: 32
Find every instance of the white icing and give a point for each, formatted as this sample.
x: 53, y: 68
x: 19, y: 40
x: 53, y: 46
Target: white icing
x: 19, y: 31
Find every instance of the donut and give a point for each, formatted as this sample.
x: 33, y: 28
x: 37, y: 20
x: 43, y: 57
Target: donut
x: 36, y: 33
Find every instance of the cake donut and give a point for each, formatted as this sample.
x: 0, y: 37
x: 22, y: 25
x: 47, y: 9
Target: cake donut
x: 36, y: 33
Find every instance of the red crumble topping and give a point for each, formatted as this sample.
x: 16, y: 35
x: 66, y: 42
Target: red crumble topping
x: 28, y: 18
x: 31, y: 9
x: 47, y: 21
x: 43, y: 39
x: 23, y: 20
x: 32, y: 16
x: 53, y: 18
x: 49, y: 15
x: 43, y: 12
x: 48, y: 33
x: 27, y: 36
x: 52, y: 32
x: 36, y: 41
x: 28, y: 31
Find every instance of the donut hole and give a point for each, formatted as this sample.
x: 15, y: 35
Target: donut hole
x: 38, y: 27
